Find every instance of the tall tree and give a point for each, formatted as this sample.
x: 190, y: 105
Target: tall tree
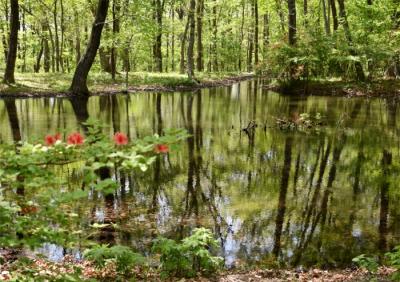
x: 79, y: 81
x: 192, y: 27
x: 157, y: 48
x: 292, y: 22
x: 12, y: 43
x: 200, y: 12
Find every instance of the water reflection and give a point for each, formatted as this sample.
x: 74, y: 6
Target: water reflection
x: 316, y: 198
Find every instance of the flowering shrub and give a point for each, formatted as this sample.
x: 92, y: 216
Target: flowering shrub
x: 34, y: 201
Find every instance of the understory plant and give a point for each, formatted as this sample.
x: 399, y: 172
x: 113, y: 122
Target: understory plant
x: 123, y: 257
x: 38, y: 203
x: 371, y: 264
x: 190, y: 257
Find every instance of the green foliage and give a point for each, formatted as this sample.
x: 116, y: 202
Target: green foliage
x: 123, y: 256
x: 190, y: 257
x: 35, y: 206
x: 394, y: 261
x: 367, y: 263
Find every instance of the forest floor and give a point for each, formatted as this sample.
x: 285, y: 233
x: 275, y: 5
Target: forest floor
x: 42, y: 270
x: 376, y: 88
x: 56, y: 85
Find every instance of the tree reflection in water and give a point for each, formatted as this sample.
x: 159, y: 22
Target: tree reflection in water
x: 303, y: 198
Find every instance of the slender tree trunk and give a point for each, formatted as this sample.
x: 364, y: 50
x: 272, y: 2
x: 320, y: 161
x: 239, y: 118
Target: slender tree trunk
x: 39, y: 57
x: 115, y: 29
x: 24, y: 39
x: 200, y: 12
x: 326, y: 20
x: 241, y: 35
x: 173, y: 38
x: 46, y: 49
x: 256, y: 23
x: 192, y: 27
x: 79, y: 81
x: 61, y: 55
x: 334, y: 15
x: 305, y: 12
x: 251, y: 42
x: 56, y: 39
x: 292, y: 22
x: 183, y: 45
x: 77, y: 39
x: 158, y: 14
x: 346, y: 27
x: 280, y: 13
x: 266, y: 34
x: 4, y: 31
x: 12, y: 43
x: 215, y: 37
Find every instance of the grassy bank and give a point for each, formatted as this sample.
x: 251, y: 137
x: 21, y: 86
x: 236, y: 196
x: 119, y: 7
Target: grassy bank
x: 335, y: 87
x: 57, y: 84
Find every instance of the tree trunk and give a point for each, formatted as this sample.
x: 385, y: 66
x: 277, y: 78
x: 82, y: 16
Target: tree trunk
x: 280, y: 13
x: 292, y: 22
x: 346, y: 27
x: 215, y: 38
x: 77, y: 39
x: 256, y: 45
x: 251, y: 42
x: 79, y: 81
x: 326, y: 20
x: 61, y: 56
x: 241, y: 35
x: 46, y: 49
x: 13, y: 43
x: 200, y: 12
x: 183, y: 44
x: 305, y: 12
x: 158, y: 14
x: 56, y: 41
x: 192, y: 27
x: 115, y: 28
x: 334, y: 15
x: 266, y: 34
x: 39, y: 57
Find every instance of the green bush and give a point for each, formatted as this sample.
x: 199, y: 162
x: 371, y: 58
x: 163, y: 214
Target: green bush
x: 367, y: 263
x: 394, y: 261
x: 124, y: 258
x: 190, y: 257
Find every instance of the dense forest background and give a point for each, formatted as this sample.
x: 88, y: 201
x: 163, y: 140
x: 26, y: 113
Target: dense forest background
x: 284, y: 39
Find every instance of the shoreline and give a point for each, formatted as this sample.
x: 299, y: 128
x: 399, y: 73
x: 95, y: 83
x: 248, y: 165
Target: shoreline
x: 118, y: 88
x: 383, y: 88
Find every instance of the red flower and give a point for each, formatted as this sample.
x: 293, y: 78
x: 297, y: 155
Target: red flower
x: 161, y: 149
x: 75, y: 139
x: 120, y: 139
x: 50, y: 140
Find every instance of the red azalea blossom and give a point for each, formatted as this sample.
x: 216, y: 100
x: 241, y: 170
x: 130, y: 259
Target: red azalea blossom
x: 161, y: 149
x: 50, y: 140
x: 120, y: 139
x: 57, y: 136
x: 75, y: 139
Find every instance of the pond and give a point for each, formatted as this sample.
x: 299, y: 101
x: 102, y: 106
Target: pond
x: 311, y: 198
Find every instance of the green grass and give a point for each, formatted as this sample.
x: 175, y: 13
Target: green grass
x: 98, y: 82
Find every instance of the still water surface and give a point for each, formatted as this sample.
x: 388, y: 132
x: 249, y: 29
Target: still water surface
x: 316, y: 198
